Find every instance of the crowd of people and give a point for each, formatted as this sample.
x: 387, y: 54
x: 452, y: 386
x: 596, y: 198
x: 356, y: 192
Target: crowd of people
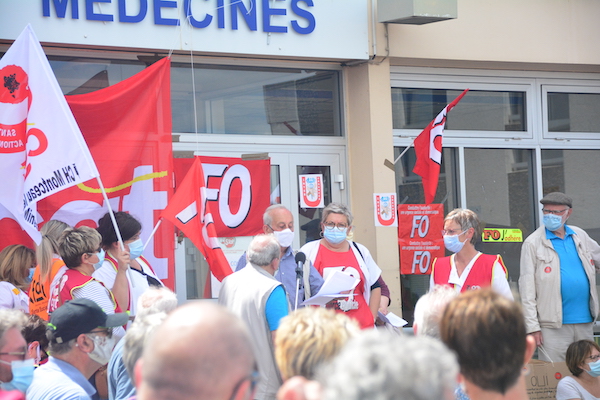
x: 86, y: 317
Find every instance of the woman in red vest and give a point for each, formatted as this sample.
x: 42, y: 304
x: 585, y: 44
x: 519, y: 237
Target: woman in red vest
x: 79, y: 250
x: 468, y: 268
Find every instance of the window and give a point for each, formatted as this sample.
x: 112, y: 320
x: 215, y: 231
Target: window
x: 481, y: 110
x: 255, y: 101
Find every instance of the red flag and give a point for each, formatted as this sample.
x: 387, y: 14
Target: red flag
x: 428, y: 148
x: 127, y: 127
x: 190, y: 212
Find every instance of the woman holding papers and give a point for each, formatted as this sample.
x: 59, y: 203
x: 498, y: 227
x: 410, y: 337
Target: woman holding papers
x: 335, y: 253
x: 126, y: 279
x: 467, y: 268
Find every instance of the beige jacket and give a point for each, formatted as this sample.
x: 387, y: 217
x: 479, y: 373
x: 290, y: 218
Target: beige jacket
x: 539, y: 282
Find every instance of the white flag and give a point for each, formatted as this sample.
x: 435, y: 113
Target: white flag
x: 42, y: 150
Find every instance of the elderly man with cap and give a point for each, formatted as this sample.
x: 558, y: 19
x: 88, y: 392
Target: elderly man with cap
x: 558, y: 280
x: 81, y: 341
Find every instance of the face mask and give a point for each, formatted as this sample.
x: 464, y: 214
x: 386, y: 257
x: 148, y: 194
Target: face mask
x: 335, y: 235
x: 101, y: 254
x: 30, y: 276
x: 594, y: 369
x: 553, y: 222
x: 103, y: 347
x: 136, y: 248
x: 22, y: 372
x: 453, y: 243
x: 284, y: 237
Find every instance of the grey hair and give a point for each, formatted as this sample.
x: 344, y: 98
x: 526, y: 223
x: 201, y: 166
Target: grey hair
x: 9, y: 319
x: 155, y: 300
x: 429, y: 310
x: 267, y: 218
x: 466, y: 219
x: 263, y: 250
x: 378, y: 365
x: 136, y: 338
x: 337, y: 208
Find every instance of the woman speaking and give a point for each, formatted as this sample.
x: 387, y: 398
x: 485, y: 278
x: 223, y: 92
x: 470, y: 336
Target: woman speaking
x: 335, y: 253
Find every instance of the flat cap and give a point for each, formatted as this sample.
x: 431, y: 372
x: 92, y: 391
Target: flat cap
x: 557, y: 198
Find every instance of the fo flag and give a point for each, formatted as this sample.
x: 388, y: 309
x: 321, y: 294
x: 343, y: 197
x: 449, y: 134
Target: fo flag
x: 189, y: 210
x: 42, y: 150
x: 428, y: 148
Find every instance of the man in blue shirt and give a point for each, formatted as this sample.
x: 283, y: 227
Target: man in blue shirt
x: 558, y: 280
x: 81, y: 341
x: 254, y: 295
x: 279, y: 221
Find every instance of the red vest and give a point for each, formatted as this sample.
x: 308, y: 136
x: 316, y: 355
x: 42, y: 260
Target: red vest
x: 73, y: 279
x: 481, y: 274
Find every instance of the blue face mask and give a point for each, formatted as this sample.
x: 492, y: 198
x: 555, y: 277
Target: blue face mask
x: 594, y: 369
x: 136, y: 248
x: 22, y: 372
x: 30, y: 276
x: 453, y: 243
x: 335, y: 235
x: 101, y: 256
x: 553, y: 222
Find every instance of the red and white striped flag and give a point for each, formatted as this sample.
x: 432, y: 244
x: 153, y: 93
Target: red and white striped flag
x: 428, y: 148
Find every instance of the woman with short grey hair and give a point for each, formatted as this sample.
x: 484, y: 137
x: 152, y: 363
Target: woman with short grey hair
x: 334, y: 252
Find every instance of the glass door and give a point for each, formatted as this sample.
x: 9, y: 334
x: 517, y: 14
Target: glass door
x: 287, y: 171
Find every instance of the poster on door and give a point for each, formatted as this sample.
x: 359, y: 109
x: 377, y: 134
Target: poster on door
x: 420, y: 237
x: 311, y: 191
x: 384, y: 206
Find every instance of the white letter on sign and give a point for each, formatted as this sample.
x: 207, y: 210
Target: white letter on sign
x: 422, y: 258
x: 421, y: 224
x: 235, y: 172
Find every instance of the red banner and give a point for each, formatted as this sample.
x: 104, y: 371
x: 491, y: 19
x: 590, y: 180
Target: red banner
x: 127, y: 127
x: 238, y: 192
x: 420, y: 236
x: 190, y: 211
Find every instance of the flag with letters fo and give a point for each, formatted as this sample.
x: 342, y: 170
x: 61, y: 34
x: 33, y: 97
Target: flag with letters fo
x: 42, y: 150
x: 428, y: 149
x: 190, y: 211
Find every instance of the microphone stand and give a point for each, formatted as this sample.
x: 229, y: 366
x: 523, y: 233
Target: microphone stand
x: 298, y: 279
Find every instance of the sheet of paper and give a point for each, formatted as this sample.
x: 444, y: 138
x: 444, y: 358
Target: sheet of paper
x: 335, y: 283
x: 393, y: 319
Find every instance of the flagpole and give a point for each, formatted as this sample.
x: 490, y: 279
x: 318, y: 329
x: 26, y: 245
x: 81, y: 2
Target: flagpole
x: 111, y: 213
x: 153, y: 232
x: 404, y: 151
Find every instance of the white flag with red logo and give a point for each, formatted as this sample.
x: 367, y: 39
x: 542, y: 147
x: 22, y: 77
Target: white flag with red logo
x: 42, y: 150
x: 189, y: 210
x: 428, y: 148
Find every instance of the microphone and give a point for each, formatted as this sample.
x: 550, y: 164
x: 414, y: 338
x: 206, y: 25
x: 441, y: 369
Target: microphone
x: 300, y: 260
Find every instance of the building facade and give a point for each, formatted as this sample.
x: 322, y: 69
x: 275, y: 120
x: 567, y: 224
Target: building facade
x: 323, y: 87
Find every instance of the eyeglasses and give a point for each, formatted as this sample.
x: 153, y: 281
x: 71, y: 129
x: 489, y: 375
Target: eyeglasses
x: 95, y: 251
x: 20, y: 354
x: 107, y: 331
x: 331, y: 225
x: 594, y: 357
x: 554, y: 212
x: 452, y: 232
x: 254, y: 377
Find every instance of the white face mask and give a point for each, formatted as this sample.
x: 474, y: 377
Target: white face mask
x: 103, y: 347
x: 284, y: 237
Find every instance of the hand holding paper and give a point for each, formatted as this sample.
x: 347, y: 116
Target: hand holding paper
x: 335, y: 284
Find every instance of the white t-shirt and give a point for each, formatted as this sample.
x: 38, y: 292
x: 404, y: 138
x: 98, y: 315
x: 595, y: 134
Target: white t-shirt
x: 499, y: 282
x: 13, y: 297
x: 569, y: 388
x: 138, y: 283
